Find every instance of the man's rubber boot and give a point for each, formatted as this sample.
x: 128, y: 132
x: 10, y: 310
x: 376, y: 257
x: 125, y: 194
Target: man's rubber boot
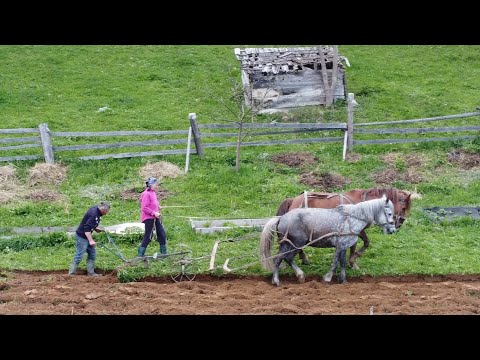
x: 90, y: 268
x: 163, y: 249
x: 141, y: 251
x: 73, y: 269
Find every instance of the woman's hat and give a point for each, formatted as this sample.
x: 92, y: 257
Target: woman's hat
x: 151, y: 181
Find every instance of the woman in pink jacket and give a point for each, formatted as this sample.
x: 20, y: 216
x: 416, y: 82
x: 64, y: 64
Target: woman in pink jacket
x: 150, y: 208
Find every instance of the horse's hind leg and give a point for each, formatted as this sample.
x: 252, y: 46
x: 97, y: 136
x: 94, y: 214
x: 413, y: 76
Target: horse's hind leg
x: 304, y: 258
x: 298, y: 272
x: 276, y: 263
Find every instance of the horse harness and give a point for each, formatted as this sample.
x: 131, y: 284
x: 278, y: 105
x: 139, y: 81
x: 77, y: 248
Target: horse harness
x: 305, y: 198
x: 345, y: 215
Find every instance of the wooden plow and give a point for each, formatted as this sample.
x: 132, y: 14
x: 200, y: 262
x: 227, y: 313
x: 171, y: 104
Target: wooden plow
x: 225, y: 264
x: 180, y: 259
x: 184, y: 265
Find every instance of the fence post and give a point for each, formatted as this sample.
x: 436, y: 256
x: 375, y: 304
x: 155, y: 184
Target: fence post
x: 46, y: 143
x: 350, y: 102
x: 196, y: 133
x: 189, y: 144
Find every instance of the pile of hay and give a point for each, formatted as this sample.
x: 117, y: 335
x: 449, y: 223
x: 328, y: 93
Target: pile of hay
x: 324, y: 182
x: 47, y: 174
x: 390, y: 175
x: 8, y: 183
x: 8, y: 179
x: 42, y: 174
x: 464, y: 159
x: 412, y: 173
x: 44, y: 195
x: 411, y: 161
x: 386, y: 177
x: 295, y: 159
x: 353, y: 157
x: 160, y: 170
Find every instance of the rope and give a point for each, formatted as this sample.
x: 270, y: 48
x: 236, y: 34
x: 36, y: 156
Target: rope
x: 285, y: 239
x: 227, y: 269
x: 110, y: 240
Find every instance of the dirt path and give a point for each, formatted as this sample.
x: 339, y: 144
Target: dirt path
x: 57, y: 293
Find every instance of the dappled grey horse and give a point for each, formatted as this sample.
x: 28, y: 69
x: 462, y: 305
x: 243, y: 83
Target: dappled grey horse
x: 338, y: 228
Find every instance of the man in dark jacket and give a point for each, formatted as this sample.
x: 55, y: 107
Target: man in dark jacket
x: 84, y: 239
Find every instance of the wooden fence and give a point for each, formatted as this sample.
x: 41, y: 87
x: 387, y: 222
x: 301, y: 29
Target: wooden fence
x: 396, y: 128
x: 26, y: 142
x: 255, y: 130
x: 44, y: 141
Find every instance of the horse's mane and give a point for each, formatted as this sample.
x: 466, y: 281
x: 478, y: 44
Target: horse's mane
x: 392, y: 194
x: 284, y: 206
x: 365, y: 209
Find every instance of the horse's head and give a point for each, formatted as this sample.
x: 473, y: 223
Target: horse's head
x: 385, y: 218
x: 401, y: 201
x: 402, y: 205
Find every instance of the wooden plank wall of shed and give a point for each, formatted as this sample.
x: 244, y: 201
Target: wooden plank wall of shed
x: 295, y: 89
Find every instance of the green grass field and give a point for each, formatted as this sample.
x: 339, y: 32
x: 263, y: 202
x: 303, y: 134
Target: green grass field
x: 156, y: 87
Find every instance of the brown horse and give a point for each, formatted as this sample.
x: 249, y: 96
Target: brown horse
x: 401, y: 200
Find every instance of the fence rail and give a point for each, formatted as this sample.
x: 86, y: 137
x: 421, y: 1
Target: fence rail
x: 46, y: 138
x: 32, y: 142
x: 395, y: 130
x: 198, y: 133
x: 436, y: 118
x: 297, y: 128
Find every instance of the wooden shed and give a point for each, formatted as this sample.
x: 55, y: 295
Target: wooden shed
x: 284, y: 78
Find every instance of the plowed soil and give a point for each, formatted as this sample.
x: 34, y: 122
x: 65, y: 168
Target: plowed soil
x: 56, y: 293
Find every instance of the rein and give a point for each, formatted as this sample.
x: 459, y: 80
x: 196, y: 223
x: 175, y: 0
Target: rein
x: 285, y: 239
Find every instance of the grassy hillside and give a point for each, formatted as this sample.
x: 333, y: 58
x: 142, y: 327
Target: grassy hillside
x: 155, y: 87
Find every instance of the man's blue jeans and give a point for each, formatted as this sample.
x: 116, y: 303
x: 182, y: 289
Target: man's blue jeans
x: 82, y: 247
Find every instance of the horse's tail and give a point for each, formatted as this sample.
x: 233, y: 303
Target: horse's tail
x: 266, y: 239
x: 284, y: 206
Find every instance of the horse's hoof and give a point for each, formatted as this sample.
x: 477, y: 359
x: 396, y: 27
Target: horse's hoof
x: 355, y: 266
x: 327, y: 278
x: 305, y: 262
x: 301, y: 279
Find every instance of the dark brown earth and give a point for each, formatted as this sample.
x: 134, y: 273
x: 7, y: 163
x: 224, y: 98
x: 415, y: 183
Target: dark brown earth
x: 56, y: 293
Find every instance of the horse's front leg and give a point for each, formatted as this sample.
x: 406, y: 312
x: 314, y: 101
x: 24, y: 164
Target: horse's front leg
x: 351, y: 259
x: 342, y: 278
x: 328, y: 276
x: 354, y: 254
x: 304, y: 257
